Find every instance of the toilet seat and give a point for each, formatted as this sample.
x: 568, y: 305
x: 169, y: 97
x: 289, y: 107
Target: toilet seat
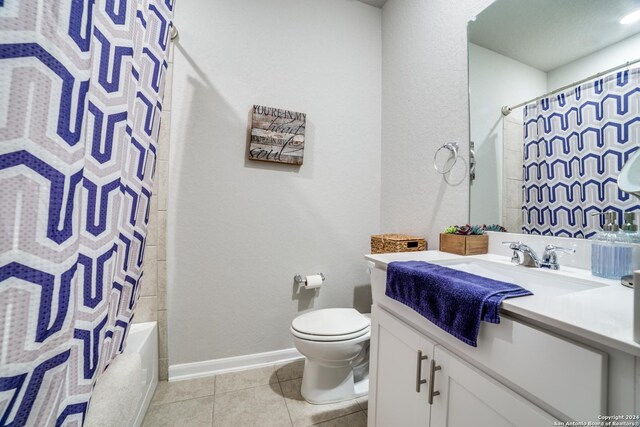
x: 330, y: 338
x: 330, y: 324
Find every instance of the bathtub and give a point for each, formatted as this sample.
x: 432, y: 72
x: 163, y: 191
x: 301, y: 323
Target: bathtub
x: 143, y: 339
x: 123, y: 392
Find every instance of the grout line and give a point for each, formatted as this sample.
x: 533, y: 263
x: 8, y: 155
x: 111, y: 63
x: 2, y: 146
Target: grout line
x: 245, y: 388
x: 286, y: 405
x: 336, y: 418
x: 213, y: 407
x: 181, y: 400
x: 290, y: 379
x: 284, y: 399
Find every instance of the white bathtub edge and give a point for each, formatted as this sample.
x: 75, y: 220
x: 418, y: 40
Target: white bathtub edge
x: 138, y: 334
x: 150, y: 329
x: 147, y: 398
x: 205, y: 368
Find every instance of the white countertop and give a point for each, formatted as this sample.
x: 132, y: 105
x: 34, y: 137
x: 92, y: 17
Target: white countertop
x: 603, y: 315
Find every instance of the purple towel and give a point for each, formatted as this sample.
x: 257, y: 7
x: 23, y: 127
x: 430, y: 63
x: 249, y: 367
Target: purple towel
x: 453, y: 300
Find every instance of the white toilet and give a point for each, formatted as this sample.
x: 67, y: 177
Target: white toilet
x: 335, y: 343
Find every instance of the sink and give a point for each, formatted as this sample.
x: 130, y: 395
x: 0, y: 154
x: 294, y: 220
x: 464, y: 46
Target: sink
x: 549, y: 287
x: 539, y: 281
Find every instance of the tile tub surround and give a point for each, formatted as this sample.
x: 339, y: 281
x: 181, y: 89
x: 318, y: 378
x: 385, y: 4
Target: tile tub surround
x: 152, y: 305
x: 268, y: 396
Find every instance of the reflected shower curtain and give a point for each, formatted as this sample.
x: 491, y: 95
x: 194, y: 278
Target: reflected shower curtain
x: 81, y: 86
x: 575, y: 144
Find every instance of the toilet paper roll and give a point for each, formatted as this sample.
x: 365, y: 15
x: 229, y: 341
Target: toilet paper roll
x: 313, y: 282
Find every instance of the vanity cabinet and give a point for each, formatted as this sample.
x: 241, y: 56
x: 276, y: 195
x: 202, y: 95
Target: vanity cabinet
x: 519, y: 373
x: 399, y: 366
x: 416, y: 382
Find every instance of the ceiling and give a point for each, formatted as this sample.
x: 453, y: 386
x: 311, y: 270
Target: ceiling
x: 547, y: 34
x: 376, y: 3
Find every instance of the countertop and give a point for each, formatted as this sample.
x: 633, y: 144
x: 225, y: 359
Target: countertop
x: 603, y: 315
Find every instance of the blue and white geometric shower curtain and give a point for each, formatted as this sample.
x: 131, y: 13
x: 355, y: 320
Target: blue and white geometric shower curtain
x: 81, y: 87
x: 575, y: 145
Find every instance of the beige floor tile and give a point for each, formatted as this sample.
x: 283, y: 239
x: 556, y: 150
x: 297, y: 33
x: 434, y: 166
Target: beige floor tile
x: 358, y: 419
x: 305, y: 414
x: 290, y: 370
x: 257, y: 406
x: 363, y: 402
x: 176, y: 391
x: 192, y: 413
x: 245, y: 379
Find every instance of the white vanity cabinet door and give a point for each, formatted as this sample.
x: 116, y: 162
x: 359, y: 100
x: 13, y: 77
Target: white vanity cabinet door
x: 393, y: 399
x: 468, y: 397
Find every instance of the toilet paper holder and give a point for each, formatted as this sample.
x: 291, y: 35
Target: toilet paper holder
x: 298, y: 278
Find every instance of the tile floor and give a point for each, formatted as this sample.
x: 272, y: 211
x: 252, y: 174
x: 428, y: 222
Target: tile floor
x: 268, y: 396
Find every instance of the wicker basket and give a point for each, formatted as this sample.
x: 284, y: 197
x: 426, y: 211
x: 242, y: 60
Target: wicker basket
x: 387, y: 243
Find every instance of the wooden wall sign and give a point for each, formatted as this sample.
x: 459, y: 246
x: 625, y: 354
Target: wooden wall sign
x: 277, y: 135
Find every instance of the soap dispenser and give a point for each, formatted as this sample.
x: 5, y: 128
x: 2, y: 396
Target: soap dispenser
x: 611, y: 250
x: 630, y: 226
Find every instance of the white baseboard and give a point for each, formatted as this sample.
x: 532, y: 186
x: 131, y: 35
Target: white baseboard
x: 206, y: 368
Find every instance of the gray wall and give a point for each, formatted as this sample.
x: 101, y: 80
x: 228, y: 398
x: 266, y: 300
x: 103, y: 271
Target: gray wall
x: 424, y: 105
x: 239, y: 230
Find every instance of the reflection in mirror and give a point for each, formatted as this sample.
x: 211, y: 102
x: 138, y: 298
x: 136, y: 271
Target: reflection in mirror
x: 553, y: 158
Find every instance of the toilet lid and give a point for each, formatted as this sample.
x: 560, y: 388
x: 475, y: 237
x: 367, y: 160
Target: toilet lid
x: 331, y: 322
x: 366, y: 333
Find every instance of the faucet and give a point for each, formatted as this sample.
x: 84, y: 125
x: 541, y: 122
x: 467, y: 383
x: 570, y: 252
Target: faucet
x: 530, y: 258
x: 550, y: 256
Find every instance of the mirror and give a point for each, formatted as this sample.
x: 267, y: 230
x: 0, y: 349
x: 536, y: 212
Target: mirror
x: 526, y: 178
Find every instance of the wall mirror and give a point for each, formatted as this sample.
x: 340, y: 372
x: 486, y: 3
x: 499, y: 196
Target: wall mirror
x: 551, y: 161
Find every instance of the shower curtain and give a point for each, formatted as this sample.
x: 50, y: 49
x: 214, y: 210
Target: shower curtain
x: 575, y: 144
x: 81, y: 87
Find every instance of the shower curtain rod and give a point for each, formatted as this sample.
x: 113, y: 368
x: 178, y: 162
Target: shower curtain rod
x: 506, y: 110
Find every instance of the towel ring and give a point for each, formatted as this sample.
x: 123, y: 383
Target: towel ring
x: 452, y: 147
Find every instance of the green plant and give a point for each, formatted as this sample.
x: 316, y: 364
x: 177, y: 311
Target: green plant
x: 494, y: 227
x: 465, y: 230
x: 451, y: 229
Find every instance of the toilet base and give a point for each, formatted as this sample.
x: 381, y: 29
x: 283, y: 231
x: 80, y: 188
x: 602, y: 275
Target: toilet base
x: 322, y: 384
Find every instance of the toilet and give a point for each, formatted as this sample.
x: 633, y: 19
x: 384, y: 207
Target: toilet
x: 335, y: 343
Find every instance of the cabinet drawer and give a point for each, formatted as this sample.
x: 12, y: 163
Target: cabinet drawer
x: 566, y: 376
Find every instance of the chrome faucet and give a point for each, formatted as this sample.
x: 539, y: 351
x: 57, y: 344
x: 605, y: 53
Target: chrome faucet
x: 530, y: 258
x: 550, y: 256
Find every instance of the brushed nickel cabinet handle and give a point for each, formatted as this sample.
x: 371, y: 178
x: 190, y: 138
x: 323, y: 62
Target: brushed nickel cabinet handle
x: 432, y: 373
x: 419, y: 380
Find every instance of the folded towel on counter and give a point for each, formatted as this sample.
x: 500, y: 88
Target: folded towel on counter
x: 453, y: 300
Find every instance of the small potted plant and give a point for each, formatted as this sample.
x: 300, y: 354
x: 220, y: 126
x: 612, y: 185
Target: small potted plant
x: 464, y: 240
